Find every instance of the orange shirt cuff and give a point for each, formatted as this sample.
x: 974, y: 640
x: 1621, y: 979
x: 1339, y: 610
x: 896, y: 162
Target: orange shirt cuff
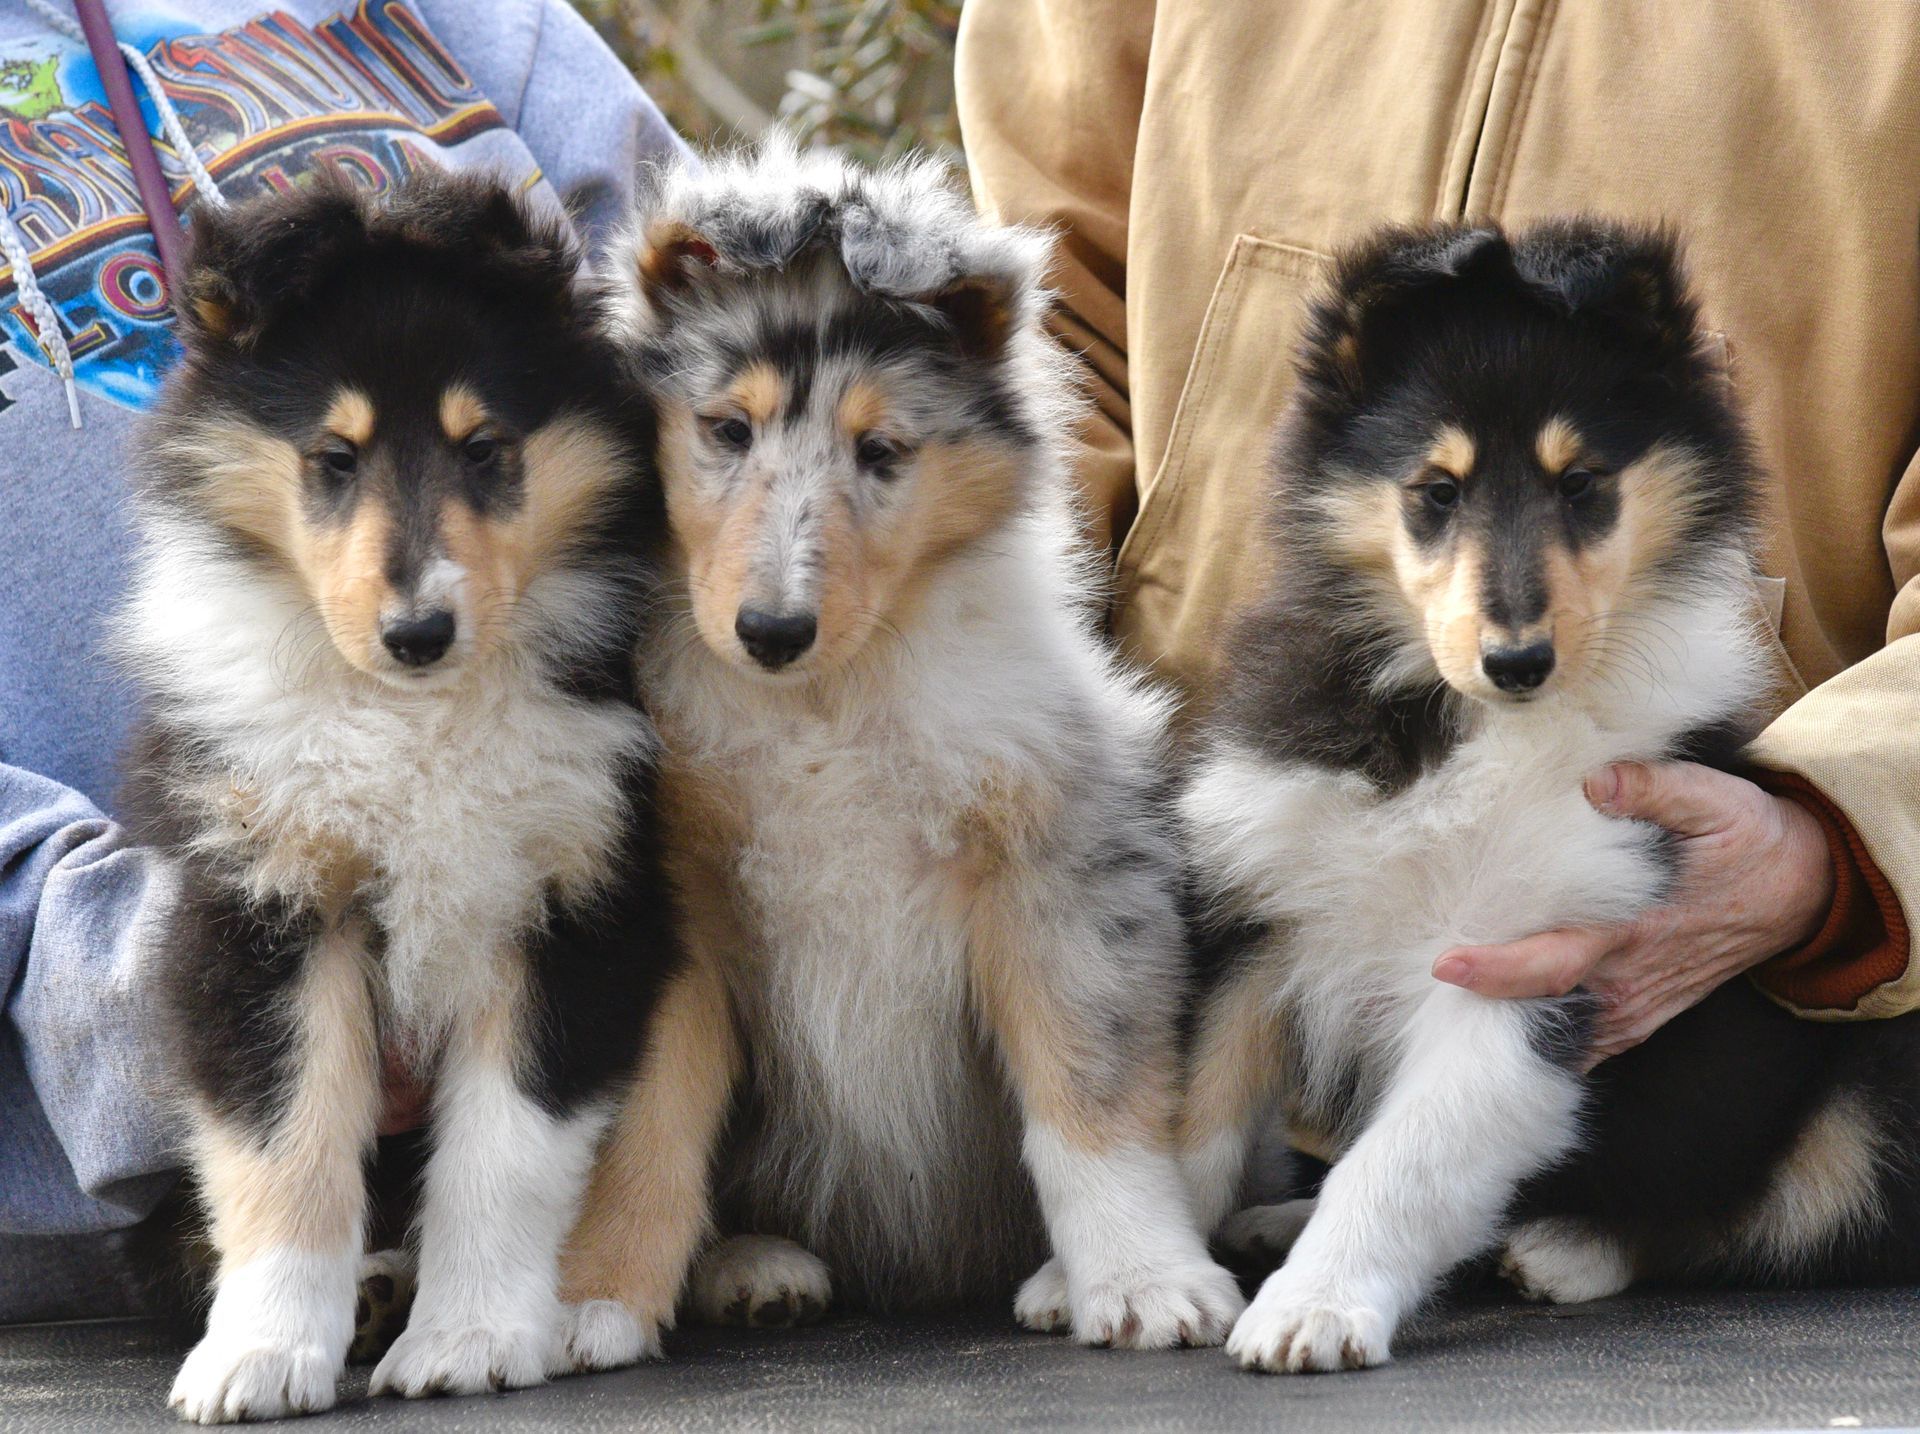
x: 1863, y: 944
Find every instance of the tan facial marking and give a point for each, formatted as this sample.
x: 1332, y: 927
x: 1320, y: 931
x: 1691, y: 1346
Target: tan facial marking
x: 573, y: 468
x: 344, y: 568
x: 873, y: 552
x: 462, y: 414
x: 715, y: 534
x: 215, y: 317
x: 1438, y: 592
x: 1446, y: 589
x: 862, y: 407
x: 1558, y: 445
x: 1453, y: 452
x: 255, y: 484
x: 1365, y: 526
x: 350, y: 416
x: 962, y: 492
x: 1434, y: 594
x: 249, y: 479
x: 759, y: 393
x: 1588, y: 590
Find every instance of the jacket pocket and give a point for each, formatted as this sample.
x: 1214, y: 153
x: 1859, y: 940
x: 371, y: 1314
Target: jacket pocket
x: 1785, y: 685
x: 1199, y: 550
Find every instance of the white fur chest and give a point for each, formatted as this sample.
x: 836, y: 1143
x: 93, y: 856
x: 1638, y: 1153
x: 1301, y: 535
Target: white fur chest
x: 1367, y: 890
x: 860, y: 990
x: 1495, y: 843
x: 448, y: 815
x: 881, y: 1102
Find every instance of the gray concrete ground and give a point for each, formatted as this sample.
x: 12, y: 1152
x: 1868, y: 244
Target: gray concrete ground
x: 1648, y: 1361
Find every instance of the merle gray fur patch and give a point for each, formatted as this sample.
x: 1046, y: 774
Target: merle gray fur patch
x: 902, y: 232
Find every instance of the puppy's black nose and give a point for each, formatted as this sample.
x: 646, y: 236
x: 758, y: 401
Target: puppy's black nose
x: 419, y: 641
x: 1518, y: 669
x: 774, y: 639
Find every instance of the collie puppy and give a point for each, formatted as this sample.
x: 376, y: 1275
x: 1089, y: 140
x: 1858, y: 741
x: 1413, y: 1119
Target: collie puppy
x: 384, y: 618
x: 1516, y: 517
x: 935, y: 954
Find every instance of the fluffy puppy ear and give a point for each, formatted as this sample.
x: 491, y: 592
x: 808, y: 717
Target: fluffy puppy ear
x: 984, y: 311
x: 729, y: 232
x: 1349, y: 333
x: 987, y: 283
x: 248, y: 263
x: 1630, y: 280
x: 672, y: 256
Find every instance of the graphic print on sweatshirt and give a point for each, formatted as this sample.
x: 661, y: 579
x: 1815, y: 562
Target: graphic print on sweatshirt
x: 367, y: 89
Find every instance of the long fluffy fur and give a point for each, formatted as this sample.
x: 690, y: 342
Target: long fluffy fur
x: 1361, y: 807
x: 944, y: 809
x: 455, y: 862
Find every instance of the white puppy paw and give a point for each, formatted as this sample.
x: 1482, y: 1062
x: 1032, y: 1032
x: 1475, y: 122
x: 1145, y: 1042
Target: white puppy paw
x: 1565, y: 1262
x: 1042, y: 1304
x: 1283, y: 1334
x: 604, y: 1334
x: 226, y: 1380
x: 468, y: 1360
x: 761, y: 1281
x: 1262, y: 1234
x: 1187, y: 1302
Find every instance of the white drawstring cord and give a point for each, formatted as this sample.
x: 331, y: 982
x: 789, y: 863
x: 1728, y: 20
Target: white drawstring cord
x: 46, y: 319
x: 183, y: 148
x: 46, y: 322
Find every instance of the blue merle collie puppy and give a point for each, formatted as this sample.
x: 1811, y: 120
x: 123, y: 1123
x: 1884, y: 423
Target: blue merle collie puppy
x: 934, y: 949
x: 1517, y: 514
x: 384, y: 620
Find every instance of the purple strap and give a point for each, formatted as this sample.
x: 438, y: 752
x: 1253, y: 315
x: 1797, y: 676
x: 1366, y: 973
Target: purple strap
x: 156, y: 195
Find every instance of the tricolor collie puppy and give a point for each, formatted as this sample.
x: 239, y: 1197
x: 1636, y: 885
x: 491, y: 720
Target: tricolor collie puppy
x: 1516, y: 515
x: 935, y: 952
x: 384, y: 619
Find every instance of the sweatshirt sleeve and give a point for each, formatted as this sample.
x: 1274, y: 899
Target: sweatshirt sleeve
x: 1050, y: 93
x: 86, y: 1138
x: 1850, y: 750
x: 587, y: 121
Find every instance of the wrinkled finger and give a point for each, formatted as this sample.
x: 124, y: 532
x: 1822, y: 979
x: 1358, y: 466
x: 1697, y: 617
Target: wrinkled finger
x: 1550, y: 964
x: 1683, y: 797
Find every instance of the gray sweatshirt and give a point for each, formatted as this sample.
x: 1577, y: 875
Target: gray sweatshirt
x: 520, y: 88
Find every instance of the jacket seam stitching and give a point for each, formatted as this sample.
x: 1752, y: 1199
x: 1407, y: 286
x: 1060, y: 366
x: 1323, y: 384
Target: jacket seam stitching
x: 1442, y: 206
x: 1522, y: 106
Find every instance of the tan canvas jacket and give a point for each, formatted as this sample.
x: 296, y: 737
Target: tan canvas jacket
x: 1202, y: 157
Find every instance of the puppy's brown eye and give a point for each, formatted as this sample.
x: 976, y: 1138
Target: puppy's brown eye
x: 1441, y: 493
x: 338, y: 464
x: 734, y: 434
x: 1576, y: 483
x: 480, y: 451
x: 874, y: 452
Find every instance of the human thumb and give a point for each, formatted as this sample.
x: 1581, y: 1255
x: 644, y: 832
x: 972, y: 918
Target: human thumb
x: 1680, y: 796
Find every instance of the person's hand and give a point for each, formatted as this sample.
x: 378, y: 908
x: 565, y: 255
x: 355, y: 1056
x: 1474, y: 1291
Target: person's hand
x: 1755, y: 879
